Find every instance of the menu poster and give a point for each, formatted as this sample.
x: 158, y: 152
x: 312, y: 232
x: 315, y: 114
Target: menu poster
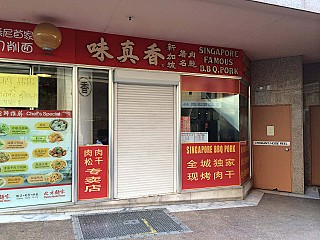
x: 17, y: 90
x: 35, y: 157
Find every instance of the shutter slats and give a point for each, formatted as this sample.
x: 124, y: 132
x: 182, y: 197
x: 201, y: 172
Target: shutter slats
x: 145, y: 140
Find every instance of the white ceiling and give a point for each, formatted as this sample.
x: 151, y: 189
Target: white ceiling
x: 262, y: 31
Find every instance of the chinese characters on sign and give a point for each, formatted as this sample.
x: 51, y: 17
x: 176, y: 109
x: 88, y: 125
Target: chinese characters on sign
x: 127, y: 50
x: 85, y: 86
x: 92, y: 48
x: 40, y: 195
x: 206, y: 165
x: 93, y: 172
x: 185, y: 124
x: 16, y: 40
x: 17, y: 90
x: 132, y: 52
x: 100, y: 50
x: 152, y: 54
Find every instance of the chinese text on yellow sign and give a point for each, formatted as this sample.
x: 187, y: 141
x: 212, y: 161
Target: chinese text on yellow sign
x: 17, y: 90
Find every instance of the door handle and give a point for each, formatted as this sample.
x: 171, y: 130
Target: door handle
x: 287, y: 149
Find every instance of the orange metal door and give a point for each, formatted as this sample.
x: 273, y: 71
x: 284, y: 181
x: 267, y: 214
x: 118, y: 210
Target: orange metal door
x: 271, y: 149
x: 315, y: 143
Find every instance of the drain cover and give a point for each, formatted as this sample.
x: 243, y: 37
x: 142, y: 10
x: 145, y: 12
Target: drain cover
x: 126, y: 224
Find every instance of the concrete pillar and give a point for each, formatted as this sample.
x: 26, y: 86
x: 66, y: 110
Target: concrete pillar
x: 311, y: 96
x: 279, y: 81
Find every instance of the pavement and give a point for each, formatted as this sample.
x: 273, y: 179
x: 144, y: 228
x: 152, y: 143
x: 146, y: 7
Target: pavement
x: 273, y: 216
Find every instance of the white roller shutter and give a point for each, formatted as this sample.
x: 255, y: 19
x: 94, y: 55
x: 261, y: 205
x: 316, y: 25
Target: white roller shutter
x: 144, y: 154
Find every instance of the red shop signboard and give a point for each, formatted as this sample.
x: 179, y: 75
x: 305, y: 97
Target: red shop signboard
x: 93, y: 48
x: 93, y: 172
x: 207, y: 165
x: 140, y: 53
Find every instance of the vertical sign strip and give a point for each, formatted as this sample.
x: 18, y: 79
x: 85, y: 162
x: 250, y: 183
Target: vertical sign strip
x: 93, y: 172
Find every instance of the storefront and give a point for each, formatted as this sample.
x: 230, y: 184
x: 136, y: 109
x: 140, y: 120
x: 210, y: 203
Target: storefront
x: 108, y: 117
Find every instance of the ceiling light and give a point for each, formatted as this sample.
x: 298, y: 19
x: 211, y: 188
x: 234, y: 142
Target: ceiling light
x: 47, y: 36
x: 44, y: 75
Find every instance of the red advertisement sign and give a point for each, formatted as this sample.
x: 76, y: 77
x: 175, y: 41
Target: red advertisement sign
x: 132, y: 52
x: 207, y: 165
x: 93, y: 172
x: 244, y: 162
x: 84, y: 47
x: 185, y: 124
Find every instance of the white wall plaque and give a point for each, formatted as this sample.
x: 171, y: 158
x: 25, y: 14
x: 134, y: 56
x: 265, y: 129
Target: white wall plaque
x: 271, y: 143
x: 270, y: 130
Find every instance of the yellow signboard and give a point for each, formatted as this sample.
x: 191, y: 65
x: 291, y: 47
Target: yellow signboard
x: 17, y: 90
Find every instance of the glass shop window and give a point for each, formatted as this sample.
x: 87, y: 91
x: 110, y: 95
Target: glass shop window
x: 93, y: 106
x: 35, y: 133
x: 54, y: 86
x: 244, y: 121
x: 209, y: 117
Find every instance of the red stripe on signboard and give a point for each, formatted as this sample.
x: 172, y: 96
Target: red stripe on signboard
x: 206, y: 84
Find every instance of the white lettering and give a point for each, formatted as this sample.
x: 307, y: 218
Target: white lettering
x: 219, y: 51
x: 270, y: 143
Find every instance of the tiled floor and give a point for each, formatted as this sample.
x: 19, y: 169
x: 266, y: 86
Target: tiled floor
x: 311, y: 192
x: 274, y: 216
x: 252, y: 199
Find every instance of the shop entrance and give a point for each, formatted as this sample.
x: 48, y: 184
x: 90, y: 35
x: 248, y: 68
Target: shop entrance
x: 315, y: 143
x: 271, y: 136
x: 145, y: 156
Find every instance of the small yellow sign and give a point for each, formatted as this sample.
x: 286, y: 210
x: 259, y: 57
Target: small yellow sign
x: 18, y: 156
x: 40, y: 152
x: 15, y: 144
x: 40, y: 178
x: 13, y: 180
x: 43, y: 126
x: 17, y: 90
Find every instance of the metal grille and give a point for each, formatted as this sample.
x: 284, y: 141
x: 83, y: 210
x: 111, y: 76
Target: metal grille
x: 126, y: 224
x: 145, y: 140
